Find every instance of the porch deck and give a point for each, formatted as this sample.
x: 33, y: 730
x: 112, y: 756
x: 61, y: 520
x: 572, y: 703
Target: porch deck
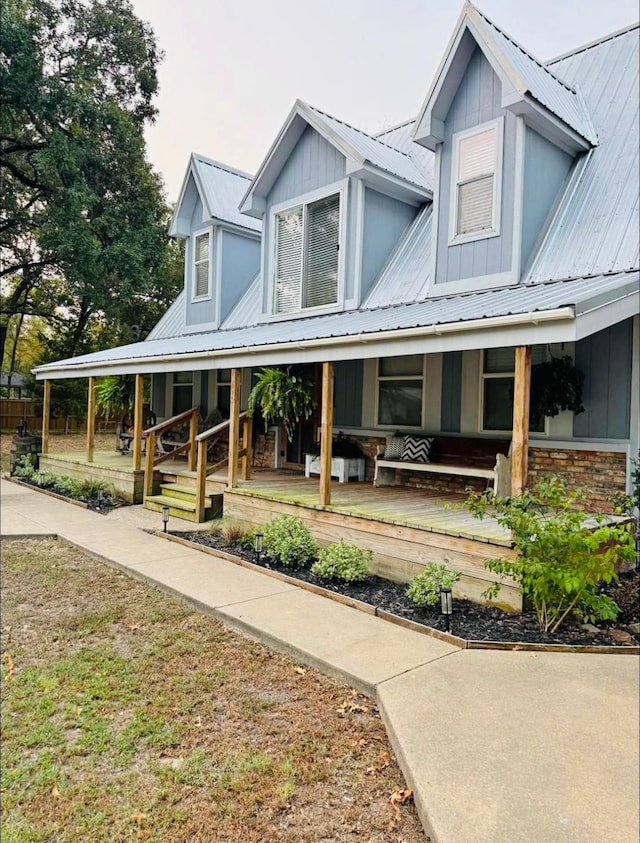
x: 404, y: 527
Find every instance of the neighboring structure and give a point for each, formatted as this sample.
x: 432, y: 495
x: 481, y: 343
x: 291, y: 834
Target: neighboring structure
x: 426, y: 267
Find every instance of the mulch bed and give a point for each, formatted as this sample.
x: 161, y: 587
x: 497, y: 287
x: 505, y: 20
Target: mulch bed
x: 470, y: 620
x: 103, y: 507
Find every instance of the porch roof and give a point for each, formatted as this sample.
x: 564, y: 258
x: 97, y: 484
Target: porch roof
x: 559, y: 311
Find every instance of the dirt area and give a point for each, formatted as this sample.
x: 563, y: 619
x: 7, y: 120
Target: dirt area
x: 127, y: 716
x: 59, y: 443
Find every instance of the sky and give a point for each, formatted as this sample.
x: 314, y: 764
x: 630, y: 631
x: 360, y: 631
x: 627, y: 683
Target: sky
x: 233, y: 69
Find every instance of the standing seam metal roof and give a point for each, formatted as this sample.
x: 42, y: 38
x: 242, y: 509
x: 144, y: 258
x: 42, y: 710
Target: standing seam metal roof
x: 224, y: 188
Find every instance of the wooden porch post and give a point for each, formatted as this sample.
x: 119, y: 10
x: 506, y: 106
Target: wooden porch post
x: 234, y: 428
x: 247, y: 431
x: 137, y: 422
x: 91, y: 419
x: 326, y: 434
x: 46, y: 408
x: 521, y: 400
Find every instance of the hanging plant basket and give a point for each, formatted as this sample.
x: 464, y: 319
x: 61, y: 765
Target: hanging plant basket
x: 556, y: 385
x: 281, y: 396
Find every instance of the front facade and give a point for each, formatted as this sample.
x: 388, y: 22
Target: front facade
x: 420, y: 262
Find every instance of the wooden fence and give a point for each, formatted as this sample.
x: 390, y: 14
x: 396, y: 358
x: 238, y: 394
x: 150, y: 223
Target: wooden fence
x: 13, y: 411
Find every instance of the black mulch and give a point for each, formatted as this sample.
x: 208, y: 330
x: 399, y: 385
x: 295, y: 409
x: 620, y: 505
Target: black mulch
x: 470, y: 620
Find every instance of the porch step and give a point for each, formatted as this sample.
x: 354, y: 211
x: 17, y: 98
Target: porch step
x: 181, y: 501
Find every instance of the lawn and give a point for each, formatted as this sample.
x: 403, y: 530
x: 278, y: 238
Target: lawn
x: 128, y: 716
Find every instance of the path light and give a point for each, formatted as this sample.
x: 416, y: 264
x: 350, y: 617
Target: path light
x: 100, y: 496
x: 446, y: 606
x: 165, y: 517
x: 258, y: 545
x: 41, y: 478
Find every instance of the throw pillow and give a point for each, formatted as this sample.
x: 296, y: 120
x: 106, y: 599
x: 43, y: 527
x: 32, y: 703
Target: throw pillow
x: 393, y: 447
x: 416, y: 448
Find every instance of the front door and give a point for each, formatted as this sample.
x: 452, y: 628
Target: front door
x: 307, y: 431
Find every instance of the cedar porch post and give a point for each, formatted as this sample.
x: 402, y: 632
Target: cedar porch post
x: 137, y: 422
x: 91, y: 418
x: 46, y: 408
x: 521, y: 400
x: 326, y: 434
x: 234, y: 428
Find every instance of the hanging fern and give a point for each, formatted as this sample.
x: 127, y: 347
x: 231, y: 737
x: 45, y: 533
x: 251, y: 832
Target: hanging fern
x: 556, y: 385
x: 281, y: 395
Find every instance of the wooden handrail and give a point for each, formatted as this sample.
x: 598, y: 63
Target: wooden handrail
x: 207, y: 434
x: 172, y: 422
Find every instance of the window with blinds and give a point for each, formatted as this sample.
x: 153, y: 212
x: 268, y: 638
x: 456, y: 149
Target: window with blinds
x: 201, y: 265
x: 307, y: 256
x: 476, y: 169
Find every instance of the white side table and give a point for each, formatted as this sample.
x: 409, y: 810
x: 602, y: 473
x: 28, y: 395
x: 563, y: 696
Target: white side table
x: 342, y: 468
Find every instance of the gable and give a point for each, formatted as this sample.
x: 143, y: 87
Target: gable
x: 189, y: 209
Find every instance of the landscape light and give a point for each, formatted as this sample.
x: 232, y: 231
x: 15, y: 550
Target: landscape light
x: 446, y: 606
x: 258, y: 545
x: 165, y: 517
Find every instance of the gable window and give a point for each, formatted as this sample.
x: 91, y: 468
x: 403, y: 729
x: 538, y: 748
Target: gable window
x: 498, y: 376
x: 307, y: 255
x: 476, y: 183
x: 202, y: 265
x: 400, y: 390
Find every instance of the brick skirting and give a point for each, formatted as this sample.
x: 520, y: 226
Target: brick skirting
x: 602, y: 473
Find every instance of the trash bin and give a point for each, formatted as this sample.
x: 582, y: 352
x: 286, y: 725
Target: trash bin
x: 22, y: 445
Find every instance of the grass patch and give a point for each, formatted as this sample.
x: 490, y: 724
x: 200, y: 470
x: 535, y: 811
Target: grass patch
x: 128, y: 716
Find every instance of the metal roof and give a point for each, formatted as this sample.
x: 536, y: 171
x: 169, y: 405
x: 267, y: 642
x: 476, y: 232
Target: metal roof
x: 580, y: 295
x: 172, y: 323
x: 536, y: 79
x: 595, y: 229
x: 223, y: 189
x: 380, y: 153
x: 401, y: 138
x: 248, y: 310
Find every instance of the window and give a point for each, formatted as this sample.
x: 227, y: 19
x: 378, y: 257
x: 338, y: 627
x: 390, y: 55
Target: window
x: 476, y: 182
x: 498, y: 372
x: 182, y: 392
x: 400, y: 390
x: 307, y: 258
x: 223, y: 401
x: 201, y: 265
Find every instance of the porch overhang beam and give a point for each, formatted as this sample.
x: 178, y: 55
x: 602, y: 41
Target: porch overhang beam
x: 377, y: 343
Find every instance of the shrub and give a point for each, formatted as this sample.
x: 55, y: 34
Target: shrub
x: 564, y: 554
x: 343, y: 561
x: 288, y: 541
x: 232, y: 533
x: 424, y: 588
x: 25, y: 467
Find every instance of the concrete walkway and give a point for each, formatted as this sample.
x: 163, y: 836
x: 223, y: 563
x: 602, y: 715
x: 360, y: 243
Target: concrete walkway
x: 499, y: 747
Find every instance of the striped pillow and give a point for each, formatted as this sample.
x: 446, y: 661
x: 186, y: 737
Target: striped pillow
x: 393, y: 448
x: 416, y: 448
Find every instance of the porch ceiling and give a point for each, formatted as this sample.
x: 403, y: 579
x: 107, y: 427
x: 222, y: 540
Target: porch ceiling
x: 559, y: 311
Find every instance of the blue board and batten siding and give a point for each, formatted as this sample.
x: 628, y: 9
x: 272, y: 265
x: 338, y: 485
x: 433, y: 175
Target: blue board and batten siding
x: 385, y: 220
x: 451, y: 395
x: 605, y: 359
x: 240, y: 265
x: 313, y: 164
x: 477, y: 101
x: 545, y: 170
x: 347, y: 388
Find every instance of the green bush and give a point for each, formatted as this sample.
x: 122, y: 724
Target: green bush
x: 25, y: 467
x: 564, y: 555
x: 343, y: 561
x: 424, y: 588
x: 289, y: 542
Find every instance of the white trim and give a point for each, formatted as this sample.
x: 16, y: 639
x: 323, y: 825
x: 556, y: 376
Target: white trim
x: 341, y: 188
x: 435, y: 221
x: 216, y: 281
x: 484, y: 376
x: 200, y: 233
x: 474, y: 284
x: 518, y: 197
x: 359, y: 245
x: 455, y: 238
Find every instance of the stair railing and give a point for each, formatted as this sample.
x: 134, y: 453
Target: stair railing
x: 204, y: 470
x: 153, y: 437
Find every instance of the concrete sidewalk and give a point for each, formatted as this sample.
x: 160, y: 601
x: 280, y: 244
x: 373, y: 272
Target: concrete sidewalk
x: 498, y: 747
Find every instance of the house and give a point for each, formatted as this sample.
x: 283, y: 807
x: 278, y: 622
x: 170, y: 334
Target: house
x: 420, y: 274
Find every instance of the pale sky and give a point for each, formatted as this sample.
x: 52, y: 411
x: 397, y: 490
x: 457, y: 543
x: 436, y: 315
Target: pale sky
x: 234, y: 68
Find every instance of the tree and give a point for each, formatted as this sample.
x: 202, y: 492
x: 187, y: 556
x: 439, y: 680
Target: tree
x: 83, y: 232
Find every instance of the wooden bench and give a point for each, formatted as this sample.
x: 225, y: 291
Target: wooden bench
x: 457, y: 455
